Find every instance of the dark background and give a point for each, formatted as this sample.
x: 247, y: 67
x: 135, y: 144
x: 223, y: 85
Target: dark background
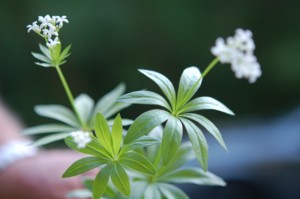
x: 112, y: 39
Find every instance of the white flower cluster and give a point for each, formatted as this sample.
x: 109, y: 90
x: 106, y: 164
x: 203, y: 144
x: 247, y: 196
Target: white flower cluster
x: 81, y: 138
x: 238, y: 51
x: 49, y: 28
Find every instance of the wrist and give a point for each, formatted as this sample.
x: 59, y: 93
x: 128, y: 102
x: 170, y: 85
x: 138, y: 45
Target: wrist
x: 12, y: 151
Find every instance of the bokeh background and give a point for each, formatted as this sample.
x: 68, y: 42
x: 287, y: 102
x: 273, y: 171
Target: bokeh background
x: 112, y: 39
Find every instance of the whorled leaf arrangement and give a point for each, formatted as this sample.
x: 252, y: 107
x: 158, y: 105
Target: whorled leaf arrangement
x: 177, y: 114
x: 152, y: 180
x: 107, y: 150
x: 87, y: 109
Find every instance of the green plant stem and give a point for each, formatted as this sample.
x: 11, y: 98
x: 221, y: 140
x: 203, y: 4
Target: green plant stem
x: 209, y: 67
x: 69, y: 94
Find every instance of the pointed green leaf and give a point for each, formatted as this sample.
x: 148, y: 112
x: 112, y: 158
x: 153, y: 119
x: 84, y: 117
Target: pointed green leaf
x: 92, y: 148
x: 65, y: 53
x: 105, y: 103
x: 50, y: 138
x: 198, y: 142
x: 101, y: 181
x: 120, y: 179
x: 48, y: 128
x: 117, y: 133
x: 139, y: 189
x: 57, y: 112
x: 145, y: 123
x: 164, y: 84
x: 41, y: 57
x: 171, y: 191
x: 144, y: 97
x: 190, y: 82
x: 138, y: 162
x: 103, y: 132
x: 171, y: 139
x: 193, y: 175
x: 83, y: 165
x: 210, y: 127
x: 45, y: 51
x: 184, y: 154
x: 43, y: 64
x: 143, y: 141
x: 152, y: 192
x: 84, y: 105
x: 115, y: 108
x: 204, y: 103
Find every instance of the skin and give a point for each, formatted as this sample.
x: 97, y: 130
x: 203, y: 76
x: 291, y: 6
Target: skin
x: 39, y: 176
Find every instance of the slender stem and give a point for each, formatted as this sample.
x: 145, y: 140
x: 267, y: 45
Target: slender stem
x: 69, y: 94
x: 209, y: 67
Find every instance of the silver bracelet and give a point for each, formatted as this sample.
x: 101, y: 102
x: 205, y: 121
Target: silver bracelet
x: 14, y: 150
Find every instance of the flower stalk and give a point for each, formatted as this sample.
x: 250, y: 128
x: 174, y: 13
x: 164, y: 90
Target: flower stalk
x: 70, y: 96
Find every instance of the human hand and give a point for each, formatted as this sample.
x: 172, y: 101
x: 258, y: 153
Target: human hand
x: 39, y: 177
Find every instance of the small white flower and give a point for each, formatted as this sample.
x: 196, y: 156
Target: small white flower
x: 50, y: 32
x: 61, y: 20
x: 222, y: 50
x: 246, y: 66
x: 34, y: 27
x: 238, y: 51
x: 81, y: 138
x: 45, y: 21
x: 52, y: 43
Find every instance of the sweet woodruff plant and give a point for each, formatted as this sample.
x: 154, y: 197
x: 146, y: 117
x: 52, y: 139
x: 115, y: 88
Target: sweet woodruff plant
x: 146, y: 153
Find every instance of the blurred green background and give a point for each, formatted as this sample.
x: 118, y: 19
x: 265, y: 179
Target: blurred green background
x: 112, y: 39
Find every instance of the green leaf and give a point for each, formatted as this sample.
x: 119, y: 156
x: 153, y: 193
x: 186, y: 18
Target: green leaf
x: 92, y: 148
x: 171, y: 191
x: 190, y: 82
x: 145, y: 123
x: 143, y: 141
x: 83, y: 165
x: 193, y: 175
x: 103, y: 132
x: 48, y: 128
x: 55, y: 54
x: 57, y: 112
x: 50, y: 138
x: 152, y: 192
x: 84, y: 105
x: 116, y: 107
x: 43, y: 64
x: 101, y: 181
x: 145, y: 97
x: 210, y: 127
x: 105, y: 103
x: 79, y: 193
x: 204, y: 103
x: 41, y: 57
x: 139, y: 189
x: 198, y: 142
x: 184, y: 154
x: 45, y: 51
x: 138, y: 162
x: 120, y: 179
x: 116, y: 133
x: 164, y: 84
x: 64, y: 54
x: 125, y: 122
x: 171, y: 139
